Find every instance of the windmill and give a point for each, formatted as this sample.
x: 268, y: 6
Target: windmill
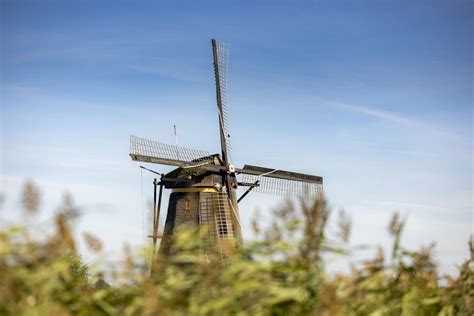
x: 204, y: 186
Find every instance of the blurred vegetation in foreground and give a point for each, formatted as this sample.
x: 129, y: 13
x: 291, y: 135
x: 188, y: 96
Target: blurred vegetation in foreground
x: 282, y: 272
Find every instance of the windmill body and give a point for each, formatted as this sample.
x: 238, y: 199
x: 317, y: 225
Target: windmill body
x: 204, y: 187
x: 198, y: 200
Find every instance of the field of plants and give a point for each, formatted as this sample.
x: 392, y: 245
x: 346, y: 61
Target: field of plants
x: 281, y: 272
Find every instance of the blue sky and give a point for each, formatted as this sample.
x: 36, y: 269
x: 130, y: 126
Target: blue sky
x: 376, y: 97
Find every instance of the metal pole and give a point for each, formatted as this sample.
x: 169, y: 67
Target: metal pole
x: 155, y: 183
x: 159, y: 207
x: 156, y: 216
x: 176, y: 141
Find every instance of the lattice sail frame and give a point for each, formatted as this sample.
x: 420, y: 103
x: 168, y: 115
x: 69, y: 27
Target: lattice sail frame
x: 173, y: 155
x: 285, y: 187
x: 223, y: 66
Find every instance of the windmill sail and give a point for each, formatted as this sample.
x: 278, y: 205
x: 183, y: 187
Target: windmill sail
x: 145, y: 150
x: 280, y: 182
x: 220, y: 52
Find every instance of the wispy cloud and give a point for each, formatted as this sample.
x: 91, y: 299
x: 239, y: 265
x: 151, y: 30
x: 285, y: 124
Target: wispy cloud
x: 175, y: 69
x: 20, y: 89
x: 397, y: 119
x: 408, y: 152
x: 379, y: 147
x: 60, y: 156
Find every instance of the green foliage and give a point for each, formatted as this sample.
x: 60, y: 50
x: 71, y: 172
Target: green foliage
x: 282, y: 272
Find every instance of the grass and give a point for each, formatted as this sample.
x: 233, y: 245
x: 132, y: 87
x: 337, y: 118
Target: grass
x: 281, y: 272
